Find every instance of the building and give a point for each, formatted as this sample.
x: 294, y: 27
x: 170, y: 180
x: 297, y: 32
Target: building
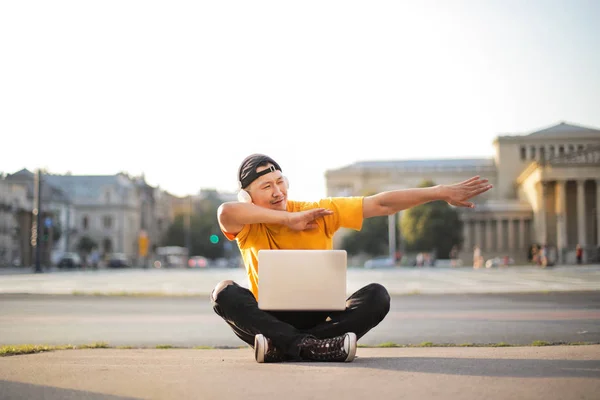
x: 13, y: 202
x: 546, y: 191
x: 56, y: 210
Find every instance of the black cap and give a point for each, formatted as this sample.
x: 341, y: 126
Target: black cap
x: 247, y: 172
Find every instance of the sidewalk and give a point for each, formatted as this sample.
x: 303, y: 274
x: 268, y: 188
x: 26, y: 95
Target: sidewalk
x: 554, y: 372
x: 398, y: 281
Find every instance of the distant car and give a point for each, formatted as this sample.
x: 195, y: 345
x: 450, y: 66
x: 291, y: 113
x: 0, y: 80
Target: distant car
x: 118, y: 260
x: 69, y: 260
x: 380, y: 262
x: 197, y: 262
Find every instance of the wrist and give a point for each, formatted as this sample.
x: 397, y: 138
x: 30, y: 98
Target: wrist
x: 440, y: 192
x: 285, y: 218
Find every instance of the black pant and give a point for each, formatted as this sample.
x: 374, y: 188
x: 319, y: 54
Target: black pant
x: 365, y: 309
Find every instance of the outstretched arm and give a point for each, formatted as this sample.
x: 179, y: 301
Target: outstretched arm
x: 233, y: 216
x: 458, y: 194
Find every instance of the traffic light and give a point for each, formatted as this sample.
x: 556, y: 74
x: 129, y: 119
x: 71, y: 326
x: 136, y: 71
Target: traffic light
x: 214, y: 239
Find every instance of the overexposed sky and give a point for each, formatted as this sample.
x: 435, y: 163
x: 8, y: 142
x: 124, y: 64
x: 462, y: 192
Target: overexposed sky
x: 182, y: 91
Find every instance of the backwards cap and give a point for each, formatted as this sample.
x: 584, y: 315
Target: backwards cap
x: 247, y: 172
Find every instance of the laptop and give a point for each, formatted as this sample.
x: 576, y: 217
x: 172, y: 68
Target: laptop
x: 302, y: 280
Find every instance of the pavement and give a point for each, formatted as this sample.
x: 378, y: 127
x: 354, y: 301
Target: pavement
x: 398, y: 281
x: 515, y: 318
x: 546, y: 372
x: 553, y: 372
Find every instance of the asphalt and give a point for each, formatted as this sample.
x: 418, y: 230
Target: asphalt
x: 398, y: 281
x: 191, y: 321
x: 547, y: 372
x: 554, y: 372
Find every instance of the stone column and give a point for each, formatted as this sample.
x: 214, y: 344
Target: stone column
x: 467, y: 245
x: 598, y: 212
x: 478, y: 234
x: 499, y: 235
x: 489, y: 234
x: 522, y: 233
x: 581, y: 213
x: 561, y: 218
x: 542, y: 236
x: 511, y: 234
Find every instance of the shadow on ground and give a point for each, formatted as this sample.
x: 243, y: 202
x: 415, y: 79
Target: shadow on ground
x: 518, y: 368
x: 27, y: 391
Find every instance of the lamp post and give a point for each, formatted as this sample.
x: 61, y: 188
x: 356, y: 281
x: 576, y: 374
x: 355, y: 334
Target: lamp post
x: 36, y: 224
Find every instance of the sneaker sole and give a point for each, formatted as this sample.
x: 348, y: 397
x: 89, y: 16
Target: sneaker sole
x: 260, y: 348
x: 351, y: 338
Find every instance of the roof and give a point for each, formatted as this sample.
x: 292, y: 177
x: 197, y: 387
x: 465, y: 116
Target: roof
x: 50, y: 192
x: 426, y: 164
x: 90, y: 187
x: 564, y: 129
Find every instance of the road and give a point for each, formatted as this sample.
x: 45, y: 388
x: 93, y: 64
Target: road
x: 523, y: 279
x: 190, y: 321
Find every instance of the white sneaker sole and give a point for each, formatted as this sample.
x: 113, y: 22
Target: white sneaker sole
x: 350, y: 346
x: 260, y: 348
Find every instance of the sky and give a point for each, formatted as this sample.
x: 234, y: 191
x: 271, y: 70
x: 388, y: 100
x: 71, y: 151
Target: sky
x: 182, y: 91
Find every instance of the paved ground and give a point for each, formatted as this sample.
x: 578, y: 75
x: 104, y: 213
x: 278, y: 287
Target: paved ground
x: 190, y: 321
x: 397, y: 281
x: 570, y: 372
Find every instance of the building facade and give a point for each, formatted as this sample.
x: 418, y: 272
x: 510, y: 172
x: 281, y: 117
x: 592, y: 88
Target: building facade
x: 13, y: 201
x: 113, y: 211
x: 546, y: 191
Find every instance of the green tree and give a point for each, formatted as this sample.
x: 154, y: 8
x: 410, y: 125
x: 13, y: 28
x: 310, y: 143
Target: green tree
x: 372, y: 239
x: 86, y: 244
x: 433, y: 226
x: 203, y: 224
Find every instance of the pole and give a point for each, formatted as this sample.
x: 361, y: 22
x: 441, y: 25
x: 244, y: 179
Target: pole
x: 392, y: 235
x: 67, y: 229
x: 188, y: 228
x: 37, y: 220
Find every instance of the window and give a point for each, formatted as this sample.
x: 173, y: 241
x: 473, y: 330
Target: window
x: 85, y: 222
x: 561, y: 150
x: 571, y: 148
x: 523, y: 153
x: 580, y: 147
x: 107, y: 222
x: 542, y: 153
x: 551, y: 151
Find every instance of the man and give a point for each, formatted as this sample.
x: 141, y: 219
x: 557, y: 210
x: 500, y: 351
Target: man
x: 264, y: 218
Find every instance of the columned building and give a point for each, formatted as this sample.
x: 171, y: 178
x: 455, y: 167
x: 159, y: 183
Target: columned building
x: 546, y: 191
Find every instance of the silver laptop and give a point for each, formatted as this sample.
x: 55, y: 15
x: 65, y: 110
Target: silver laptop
x: 302, y: 280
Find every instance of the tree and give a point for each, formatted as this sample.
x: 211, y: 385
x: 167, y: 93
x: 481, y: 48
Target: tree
x: 86, y: 244
x: 372, y: 239
x: 433, y: 226
x: 203, y: 224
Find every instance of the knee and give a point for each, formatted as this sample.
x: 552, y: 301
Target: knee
x: 219, y: 288
x: 380, y: 298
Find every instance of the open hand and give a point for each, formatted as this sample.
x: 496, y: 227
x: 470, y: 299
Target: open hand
x: 458, y: 194
x: 303, y: 220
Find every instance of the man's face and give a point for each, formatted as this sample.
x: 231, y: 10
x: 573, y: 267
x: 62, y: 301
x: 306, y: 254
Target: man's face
x: 269, y: 190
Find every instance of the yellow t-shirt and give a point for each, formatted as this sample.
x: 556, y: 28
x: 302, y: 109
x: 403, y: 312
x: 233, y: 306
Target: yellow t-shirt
x: 347, y: 213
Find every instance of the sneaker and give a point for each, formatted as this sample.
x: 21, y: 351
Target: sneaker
x: 340, y: 348
x: 265, y: 352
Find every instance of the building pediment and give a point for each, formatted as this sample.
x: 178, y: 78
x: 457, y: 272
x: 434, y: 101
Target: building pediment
x: 564, y: 130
